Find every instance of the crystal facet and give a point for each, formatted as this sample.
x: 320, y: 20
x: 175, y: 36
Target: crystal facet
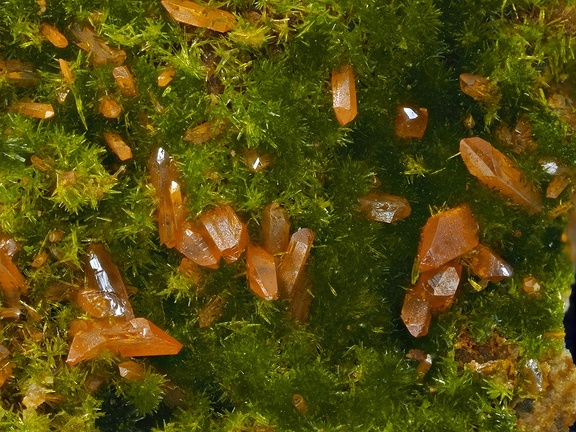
x: 416, y: 312
x: 485, y: 263
x: 17, y: 72
x: 118, y: 146
x: 202, y: 133
x: 33, y: 109
x: 411, y: 122
x: 446, y: 236
x: 131, y: 370
x: 256, y: 162
x: 441, y: 285
x: 125, y: 81
x: 195, y: 244
x: 531, y: 285
x: 100, y: 52
x: 53, y: 36
x: 109, y: 108
x: 191, y: 13
x: 261, y: 272
x: 166, y: 76
x: 381, y: 207
x: 12, y: 282
x: 497, y: 171
x: 344, y: 95
x: 477, y: 87
x: 557, y: 185
x: 293, y: 262
x: 226, y: 230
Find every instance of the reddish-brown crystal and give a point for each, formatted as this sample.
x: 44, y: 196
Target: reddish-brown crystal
x: 261, y: 272
x: 411, y: 122
x: 499, y: 172
x: 171, y: 210
x: 446, y: 236
x: 12, y: 282
x: 485, y: 263
x: 192, y: 242
x: 100, y: 52
x: 53, y: 35
x: 293, y: 262
x: 125, y: 81
x: 416, y: 312
x: 226, y: 230
x: 191, y: 13
x: 109, y: 108
x: 166, y: 76
x: 301, y: 299
x: 105, y: 294
x: 477, y: 87
x: 33, y: 109
x: 135, y: 338
x: 344, y: 94
x: 275, y: 229
x: 202, y: 133
x: 131, y: 370
x: 441, y: 285
x: 256, y: 162
x: 118, y: 146
x: 18, y: 72
x: 531, y: 285
x: 6, y: 365
x: 557, y: 185
x: 190, y: 269
x: 299, y: 403
x: 382, y: 207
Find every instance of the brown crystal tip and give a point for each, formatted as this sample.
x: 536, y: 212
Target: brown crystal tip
x: 191, y: 13
x: 477, y: 87
x: 344, y: 95
x: 226, y: 231
x: 37, y: 110
x: 411, y: 122
x: 498, y: 172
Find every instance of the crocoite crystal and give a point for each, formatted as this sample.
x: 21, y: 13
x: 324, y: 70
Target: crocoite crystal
x: 476, y: 86
x: 261, y: 272
x: 344, y: 95
x: 293, y: 262
x: 226, y: 231
x: 411, y: 122
x: 194, y: 243
x: 381, y: 207
x: 191, y: 13
x: 441, y: 285
x: 12, y: 282
x: 275, y: 229
x: 485, y: 263
x: 109, y: 108
x: 37, y: 110
x: 53, y: 35
x: 447, y: 235
x: 499, y: 172
x: 118, y: 146
x: 416, y: 312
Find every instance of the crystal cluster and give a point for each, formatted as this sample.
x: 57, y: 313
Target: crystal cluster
x: 344, y: 95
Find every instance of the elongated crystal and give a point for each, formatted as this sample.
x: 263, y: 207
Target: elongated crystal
x: 125, y: 81
x: 53, y: 35
x: 386, y: 208
x: 109, y: 108
x: 37, y: 110
x: 499, y: 172
x: 100, y: 52
x: 261, y: 272
x: 477, y: 87
x: 293, y: 262
x: 193, y: 242
x: 202, y: 133
x: 19, y: 73
x: 118, y: 145
x: 166, y: 76
x: 192, y: 13
x: 275, y: 229
x: 226, y: 231
x: 344, y: 95
x: 12, y: 282
x: 416, y: 313
x: 485, y: 263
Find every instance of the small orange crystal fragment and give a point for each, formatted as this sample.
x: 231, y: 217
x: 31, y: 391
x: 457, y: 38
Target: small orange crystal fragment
x: 255, y: 161
x: 109, y: 108
x: 39, y: 259
x: 531, y: 285
x: 226, y: 230
x: 66, y: 72
x: 12, y: 282
x: 190, y: 269
x: 497, y: 171
x: 166, y: 76
x: 485, y: 263
x: 100, y: 52
x: 416, y: 312
x: 299, y: 403
x: 18, y: 72
x: 344, y: 95
x: 125, y: 81
x: 191, y: 13
x: 53, y: 35
x: 105, y: 294
x: 557, y: 185
x: 275, y: 229
x: 446, y: 236
x: 381, y: 207
x: 293, y: 262
x: 261, y: 272
x: 135, y: 338
x: 131, y: 370
x: 195, y: 244
x: 33, y: 109
x: 411, y: 122
x: 202, y: 133
x: 441, y: 285
x: 477, y: 87
x: 118, y: 146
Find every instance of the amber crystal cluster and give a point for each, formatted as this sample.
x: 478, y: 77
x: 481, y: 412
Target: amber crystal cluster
x: 449, y: 239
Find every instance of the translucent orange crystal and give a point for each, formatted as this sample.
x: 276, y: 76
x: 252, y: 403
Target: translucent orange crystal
x: 100, y: 52
x: 382, y: 207
x: 497, y: 171
x: 12, y: 282
x: 485, y: 263
x: 202, y: 133
x: 477, y: 87
x: 411, y: 122
x: 135, y: 338
x: 105, y: 294
x: 557, y: 185
x: 66, y: 72
x: 191, y: 13
x: 531, y: 285
x: 226, y: 230
x: 118, y: 146
x: 33, y: 109
x: 446, y: 236
x: 39, y: 259
x: 131, y: 370
x: 8, y: 245
x: 441, y: 285
x: 416, y: 313
x: 301, y: 299
x: 125, y: 81
x: 109, y: 108
x: 53, y: 35
x: 166, y: 76
x: 193, y: 242
x: 256, y: 162
x: 293, y: 262
x: 344, y: 94
x: 275, y: 229
x: 18, y: 72
x: 261, y: 272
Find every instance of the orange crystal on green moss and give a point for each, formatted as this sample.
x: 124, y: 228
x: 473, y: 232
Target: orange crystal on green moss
x: 131, y: 370
x: 441, y: 285
x: 293, y: 262
x: 386, y: 208
x: 301, y: 299
x: 416, y: 312
x: 125, y: 81
x: 166, y: 76
x: 485, y: 263
x: 226, y: 231
x: 275, y: 229
x: 118, y: 146
x: 411, y: 122
x: 193, y: 242
x: 191, y: 13
x: 18, y: 72
x: 447, y: 235
x: 261, y: 272
x: 344, y: 95
x: 12, y: 282
x: 100, y: 52
x: 135, y: 338
x: 53, y: 35
x: 477, y: 87
x: 37, y: 110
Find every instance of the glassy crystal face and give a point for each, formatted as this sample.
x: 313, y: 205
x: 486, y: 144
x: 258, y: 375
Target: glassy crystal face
x: 54, y: 36
x: 100, y: 52
x: 12, y: 281
x: 416, y: 313
x: 261, y: 272
x: 293, y: 262
x: 275, y: 229
x: 18, y: 72
x: 386, y: 208
x: 118, y: 146
x: 486, y: 264
x: 192, y: 13
x: 166, y: 76
x: 226, y: 231
x: 344, y: 95
x: 109, y: 108
x: 476, y: 86
x: 125, y: 81
x: 411, y: 122
x: 499, y: 172
x: 193, y: 242
x: 37, y: 110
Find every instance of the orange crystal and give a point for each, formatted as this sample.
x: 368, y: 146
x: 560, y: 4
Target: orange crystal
x: 485, y: 263
x: 226, y: 230
x: 344, y: 95
x: 557, y: 185
x: 100, y: 52
x: 166, y: 76
x: 66, y: 72
x: 118, y: 146
x: 125, y: 81
x: 53, y: 35
x: 411, y: 122
x: 497, y: 171
x: 477, y: 87
x: 12, y: 282
x: 193, y: 243
x: 18, y: 72
x: 6, y: 365
x: 39, y: 259
x: 446, y: 236
x: 8, y: 245
x: 275, y: 229
x: 191, y: 13
x: 109, y: 108
x: 416, y: 312
x: 255, y: 161
x: 171, y: 210
x: 261, y: 272
x: 441, y: 285
x: 131, y: 370
x: 293, y: 262
x: 33, y: 109
x: 382, y: 207
x: 135, y: 338
x: 301, y: 300
x: 202, y: 133
x: 531, y: 285
x: 105, y: 294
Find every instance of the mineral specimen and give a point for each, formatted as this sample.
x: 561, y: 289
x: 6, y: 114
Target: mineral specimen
x: 447, y: 235
x: 33, y: 109
x: 416, y: 312
x: 191, y: 13
x: 275, y: 229
x: 18, y: 72
x: 109, y: 108
x: 344, y: 95
x: 193, y: 242
x: 118, y: 146
x: 301, y: 299
x: 293, y: 262
x: 226, y: 230
x: 131, y: 370
x: 255, y: 161
x: 39, y: 259
x: 125, y: 81
x: 531, y: 285
x: 6, y: 365
x: 8, y: 245
x: 202, y: 133
x: 211, y: 311
x: 100, y: 52
x: 477, y: 87
x: 557, y: 185
x: 66, y: 72
x: 411, y: 122
x: 441, y: 285
x: 12, y: 282
x: 497, y: 171
x: 382, y: 207
x: 166, y: 76
x: 261, y: 272
x: 53, y: 35
x: 485, y: 263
